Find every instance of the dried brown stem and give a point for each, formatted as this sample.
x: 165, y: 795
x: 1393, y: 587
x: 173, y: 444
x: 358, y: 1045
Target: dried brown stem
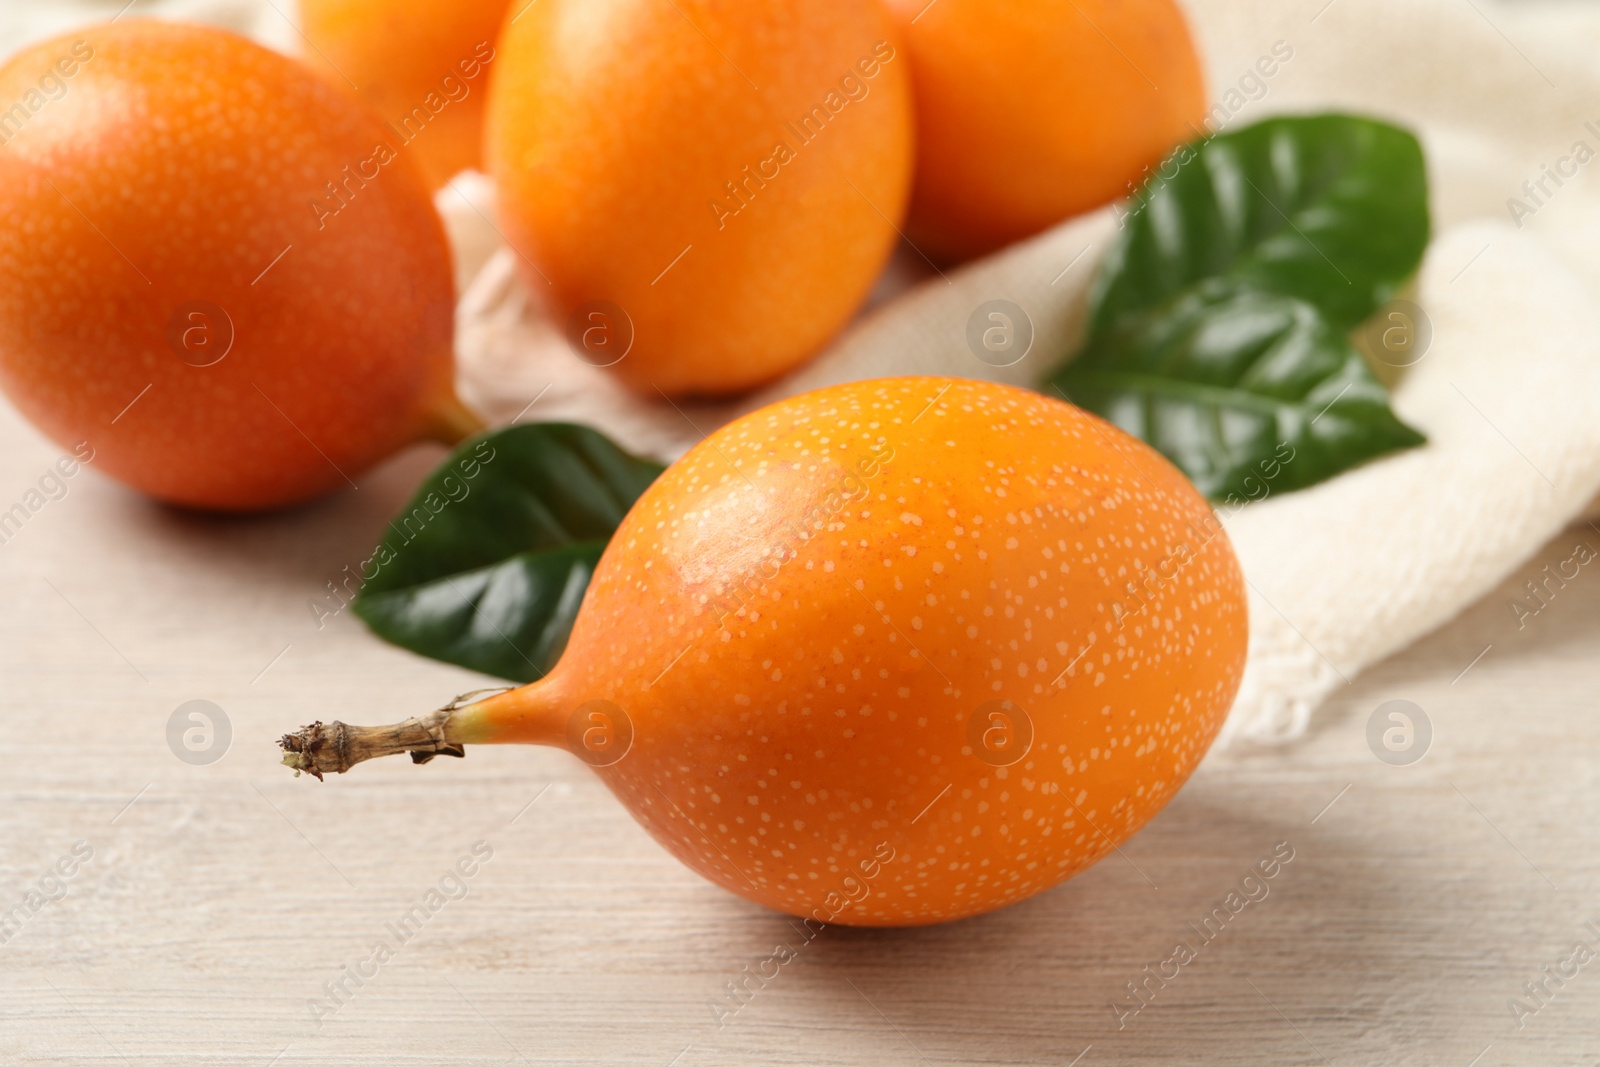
x: 335, y: 747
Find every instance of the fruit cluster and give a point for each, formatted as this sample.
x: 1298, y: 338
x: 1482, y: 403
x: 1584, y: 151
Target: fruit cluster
x: 965, y: 627
x: 250, y: 250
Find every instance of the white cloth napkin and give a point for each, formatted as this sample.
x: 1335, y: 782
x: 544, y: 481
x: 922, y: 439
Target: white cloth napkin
x: 1342, y: 574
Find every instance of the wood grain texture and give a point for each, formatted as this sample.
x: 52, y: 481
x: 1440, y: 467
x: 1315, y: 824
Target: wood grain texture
x: 220, y: 899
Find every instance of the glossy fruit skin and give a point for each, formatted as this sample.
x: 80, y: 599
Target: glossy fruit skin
x: 622, y: 142
x: 1030, y: 112
x: 435, y: 55
x: 138, y: 192
x: 802, y: 618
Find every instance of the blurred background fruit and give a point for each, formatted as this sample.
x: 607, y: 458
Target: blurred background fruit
x: 702, y: 191
x: 423, y: 65
x: 1029, y: 112
x: 215, y: 271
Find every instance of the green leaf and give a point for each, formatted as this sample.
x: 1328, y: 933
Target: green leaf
x: 1247, y: 393
x: 1219, y: 320
x: 1332, y: 209
x: 486, y: 565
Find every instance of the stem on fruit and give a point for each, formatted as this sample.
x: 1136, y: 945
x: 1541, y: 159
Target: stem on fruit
x: 500, y: 716
x: 452, y: 422
x: 335, y: 747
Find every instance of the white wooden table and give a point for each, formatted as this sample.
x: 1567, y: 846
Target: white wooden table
x: 221, y: 899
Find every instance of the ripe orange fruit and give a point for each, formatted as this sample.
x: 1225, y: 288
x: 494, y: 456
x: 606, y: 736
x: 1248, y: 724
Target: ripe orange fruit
x: 1029, y: 112
x: 423, y: 65
x: 888, y: 653
x: 226, y: 282
x: 704, y: 191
